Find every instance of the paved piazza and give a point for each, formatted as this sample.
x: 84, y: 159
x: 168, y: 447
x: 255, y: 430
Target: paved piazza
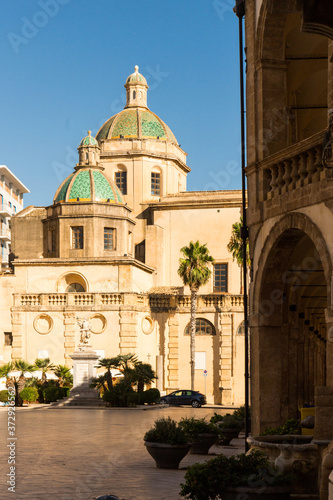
x: 74, y: 453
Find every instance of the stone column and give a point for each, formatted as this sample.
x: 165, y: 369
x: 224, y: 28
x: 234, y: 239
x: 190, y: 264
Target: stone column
x: 173, y: 355
x: 300, y: 370
x: 226, y: 359
x: 311, y: 370
x: 69, y: 336
x: 306, y: 368
x: 17, y: 352
x: 293, y: 372
x: 128, y: 331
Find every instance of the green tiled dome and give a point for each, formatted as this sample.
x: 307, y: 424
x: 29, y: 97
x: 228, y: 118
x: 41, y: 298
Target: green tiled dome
x: 88, y: 184
x: 89, y: 140
x: 135, y: 123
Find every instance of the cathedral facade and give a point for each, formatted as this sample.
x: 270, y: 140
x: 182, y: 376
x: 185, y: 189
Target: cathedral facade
x: 107, y: 249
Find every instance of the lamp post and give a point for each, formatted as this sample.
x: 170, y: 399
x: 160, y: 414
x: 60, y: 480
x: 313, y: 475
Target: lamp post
x: 239, y: 10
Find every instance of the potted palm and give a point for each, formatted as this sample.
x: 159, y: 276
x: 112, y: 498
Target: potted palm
x: 200, y: 433
x: 249, y: 476
x: 229, y: 427
x: 166, y: 442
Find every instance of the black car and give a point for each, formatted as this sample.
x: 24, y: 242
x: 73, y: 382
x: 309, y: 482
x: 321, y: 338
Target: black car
x: 193, y: 398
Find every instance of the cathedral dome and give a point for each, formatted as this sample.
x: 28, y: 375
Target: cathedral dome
x: 135, y: 123
x: 89, y: 140
x: 87, y: 185
x: 136, y: 77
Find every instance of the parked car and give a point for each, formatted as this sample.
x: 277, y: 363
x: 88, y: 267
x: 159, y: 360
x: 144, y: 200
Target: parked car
x: 184, y: 397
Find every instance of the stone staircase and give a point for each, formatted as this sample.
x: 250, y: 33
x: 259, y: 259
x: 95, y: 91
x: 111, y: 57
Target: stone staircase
x: 80, y: 401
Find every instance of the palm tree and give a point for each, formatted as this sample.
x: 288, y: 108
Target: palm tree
x: 4, y: 372
x: 109, y: 363
x: 194, y: 271
x: 143, y: 374
x: 235, y: 247
x: 64, y: 375
x: 100, y: 382
x: 23, y: 367
x: 45, y: 366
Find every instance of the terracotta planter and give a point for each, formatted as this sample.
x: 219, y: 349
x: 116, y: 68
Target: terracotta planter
x: 261, y: 493
x: 167, y: 456
x: 226, y: 435
x: 201, y: 444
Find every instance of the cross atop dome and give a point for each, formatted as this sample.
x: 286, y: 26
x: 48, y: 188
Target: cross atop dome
x: 136, y: 90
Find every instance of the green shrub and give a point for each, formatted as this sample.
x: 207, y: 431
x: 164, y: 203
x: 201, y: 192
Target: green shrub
x: 151, y: 396
x: 52, y: 394
x: 194, y: 426
x: 29, y: 394
x: 292, y: 426
x: 240, y: 413
x: 133, y: 399
x: 229, y: 421
x: 209, y: 480
x: 4, y: 396
x: 119, y: 394
x: 167, y: 431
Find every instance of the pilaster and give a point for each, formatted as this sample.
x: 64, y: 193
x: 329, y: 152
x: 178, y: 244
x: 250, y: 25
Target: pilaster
x: 226, y: 359
x: 69, y: 336
x: 173, y: 354
x: 128, y: 331
x: 17, y: 346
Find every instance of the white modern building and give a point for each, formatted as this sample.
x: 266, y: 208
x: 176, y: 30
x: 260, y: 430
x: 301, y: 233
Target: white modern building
x: 11, y: 202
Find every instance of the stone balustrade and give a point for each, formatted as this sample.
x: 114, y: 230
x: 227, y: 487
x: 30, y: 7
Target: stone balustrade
x: 68, y: 299
x: 156, y: 302
x: 293, y: 168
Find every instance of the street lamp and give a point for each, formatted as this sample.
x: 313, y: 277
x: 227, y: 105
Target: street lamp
x: 239, y: 10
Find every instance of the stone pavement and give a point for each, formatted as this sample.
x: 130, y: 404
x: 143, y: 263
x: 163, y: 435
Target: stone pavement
x: 74, y: 454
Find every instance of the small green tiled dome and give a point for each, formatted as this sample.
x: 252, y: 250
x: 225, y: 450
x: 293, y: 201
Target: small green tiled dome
x: 136, y: 123
x: 136, y: 77
x: 89, y: 140
x: 86, y: 185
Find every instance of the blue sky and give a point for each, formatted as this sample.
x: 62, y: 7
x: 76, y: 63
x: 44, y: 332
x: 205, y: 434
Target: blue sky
x: 64, y: 64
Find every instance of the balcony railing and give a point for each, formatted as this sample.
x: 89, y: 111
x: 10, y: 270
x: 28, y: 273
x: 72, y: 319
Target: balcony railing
x: 294, y: 167
x: 5, y: 234
x: 69, y: 299
x: 5, y: 209
x: 156, y: 302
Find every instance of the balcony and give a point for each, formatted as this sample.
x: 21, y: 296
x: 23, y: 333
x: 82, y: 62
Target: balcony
x: 294, y: 177
x: 5, y: 234
x: 6, y: 210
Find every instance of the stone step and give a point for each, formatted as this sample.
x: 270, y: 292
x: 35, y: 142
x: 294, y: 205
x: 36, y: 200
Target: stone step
x: 303, y: 496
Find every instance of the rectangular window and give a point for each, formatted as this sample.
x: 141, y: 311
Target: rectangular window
x: 51, y: 240
x: 109, y: 238
x: 77, y: 237
x: 155, y: 183
x: 8, y: 338
x: 220, y: 277
x: 121, y: 181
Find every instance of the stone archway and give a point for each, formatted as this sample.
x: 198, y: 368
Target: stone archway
x: 291, y: 295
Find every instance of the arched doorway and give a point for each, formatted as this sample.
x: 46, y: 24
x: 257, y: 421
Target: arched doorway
x: 288, y: 327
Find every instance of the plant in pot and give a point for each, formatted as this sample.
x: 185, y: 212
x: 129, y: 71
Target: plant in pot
x: 249, y: 476
x: 167, y: 443
x: 229, y: 427
x: 200, y: 433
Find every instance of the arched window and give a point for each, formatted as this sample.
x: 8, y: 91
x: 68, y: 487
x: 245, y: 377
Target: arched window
x: 75, y: 288
x: 203, y: 327
x: 134, y: 94
x: 120, y: 178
